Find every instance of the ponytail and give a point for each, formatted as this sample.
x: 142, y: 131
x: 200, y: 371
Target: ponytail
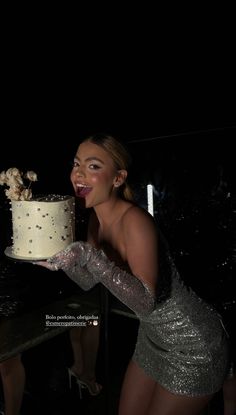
x: 126, y: 192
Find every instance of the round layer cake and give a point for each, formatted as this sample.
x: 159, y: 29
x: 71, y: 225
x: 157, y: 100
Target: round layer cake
x: 42, y: 226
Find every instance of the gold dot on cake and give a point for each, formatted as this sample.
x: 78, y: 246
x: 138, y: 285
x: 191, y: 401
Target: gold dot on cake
x: 52, y: 223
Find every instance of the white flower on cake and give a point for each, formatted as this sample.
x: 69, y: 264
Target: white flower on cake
x: 41, y: 225
x: 13, y: 178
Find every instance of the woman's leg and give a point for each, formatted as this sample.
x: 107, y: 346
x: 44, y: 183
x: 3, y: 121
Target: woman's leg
x: 137, y: 391
x: 13, y: 380
x: 141, y: 395
x: 90, y: 344
x: 166, y: 403
x: 75, y: 338
x: 85, y: 343
x: 229, y: 393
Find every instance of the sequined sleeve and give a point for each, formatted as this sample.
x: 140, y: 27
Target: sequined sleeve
x: 81, y: 276
x: 126, y: 287
x: 68, y: 261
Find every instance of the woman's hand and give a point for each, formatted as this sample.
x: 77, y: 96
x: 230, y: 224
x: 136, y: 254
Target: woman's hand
x: 62, y: 260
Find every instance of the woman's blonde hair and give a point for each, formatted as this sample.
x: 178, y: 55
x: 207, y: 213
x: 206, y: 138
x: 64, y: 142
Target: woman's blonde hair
x: 119, y: 155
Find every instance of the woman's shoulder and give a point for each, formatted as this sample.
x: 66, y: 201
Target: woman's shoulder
x: 137, y: 216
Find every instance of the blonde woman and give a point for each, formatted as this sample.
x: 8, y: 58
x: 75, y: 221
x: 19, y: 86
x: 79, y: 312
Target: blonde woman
x: 180, y: 359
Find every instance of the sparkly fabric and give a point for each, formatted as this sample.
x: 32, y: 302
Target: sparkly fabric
x: 87, y: 266
x: 70, y: 261
x: 181, y: 342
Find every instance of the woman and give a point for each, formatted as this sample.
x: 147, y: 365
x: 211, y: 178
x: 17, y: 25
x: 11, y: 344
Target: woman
x: 13, y: 380
x: 85, y: 343
x: 180, y: 359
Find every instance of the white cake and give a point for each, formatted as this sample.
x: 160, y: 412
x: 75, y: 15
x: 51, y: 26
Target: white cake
x: 42, y: 226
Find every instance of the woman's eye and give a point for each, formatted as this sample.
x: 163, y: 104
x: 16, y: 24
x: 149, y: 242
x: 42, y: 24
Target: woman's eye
x: 94, y: 166
x: 75, y: 164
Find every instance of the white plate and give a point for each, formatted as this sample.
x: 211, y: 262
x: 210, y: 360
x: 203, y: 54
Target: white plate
x: 8, y: 252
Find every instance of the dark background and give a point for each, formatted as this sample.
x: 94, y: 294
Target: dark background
x: 169, y: 95
x: 163, y: 83
x: 193, y: 174
x: 192, y: 171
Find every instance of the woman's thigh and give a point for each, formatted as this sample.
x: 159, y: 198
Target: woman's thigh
x: 166, y: 403
x: 136, y: 393
x: 141, y: 395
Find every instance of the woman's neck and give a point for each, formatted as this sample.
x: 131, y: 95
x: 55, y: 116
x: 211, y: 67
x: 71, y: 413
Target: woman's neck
x: 108, y: 212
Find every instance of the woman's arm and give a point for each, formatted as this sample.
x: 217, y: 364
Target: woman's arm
x: 81, y: 275
x: 135, y: 289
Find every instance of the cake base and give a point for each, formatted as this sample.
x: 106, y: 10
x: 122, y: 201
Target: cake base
x: 10, y: 254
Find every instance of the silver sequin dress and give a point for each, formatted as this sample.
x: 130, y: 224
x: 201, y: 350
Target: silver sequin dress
x: 181, y: 342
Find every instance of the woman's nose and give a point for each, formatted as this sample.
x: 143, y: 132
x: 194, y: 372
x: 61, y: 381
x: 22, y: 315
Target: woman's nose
x: 80, y: 171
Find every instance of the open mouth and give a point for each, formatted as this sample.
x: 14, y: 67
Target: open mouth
x: 82, y: 190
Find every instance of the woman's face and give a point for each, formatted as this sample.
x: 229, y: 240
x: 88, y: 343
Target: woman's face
x: 94, y: 174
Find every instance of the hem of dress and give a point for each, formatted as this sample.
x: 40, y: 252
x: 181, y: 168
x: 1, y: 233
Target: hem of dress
x: 175, y: 392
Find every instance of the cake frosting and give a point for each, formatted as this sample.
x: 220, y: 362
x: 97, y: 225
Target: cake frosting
x: 41, y: 227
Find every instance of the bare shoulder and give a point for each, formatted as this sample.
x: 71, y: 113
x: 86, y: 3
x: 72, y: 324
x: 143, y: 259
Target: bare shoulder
x: 136, y: 213
x: 137, y: 218
x: 141, y: 244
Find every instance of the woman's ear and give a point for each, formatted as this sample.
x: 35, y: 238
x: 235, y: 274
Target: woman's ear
x: 120, y: 178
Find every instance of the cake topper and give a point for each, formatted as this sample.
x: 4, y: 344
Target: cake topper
x: 17, y: 190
